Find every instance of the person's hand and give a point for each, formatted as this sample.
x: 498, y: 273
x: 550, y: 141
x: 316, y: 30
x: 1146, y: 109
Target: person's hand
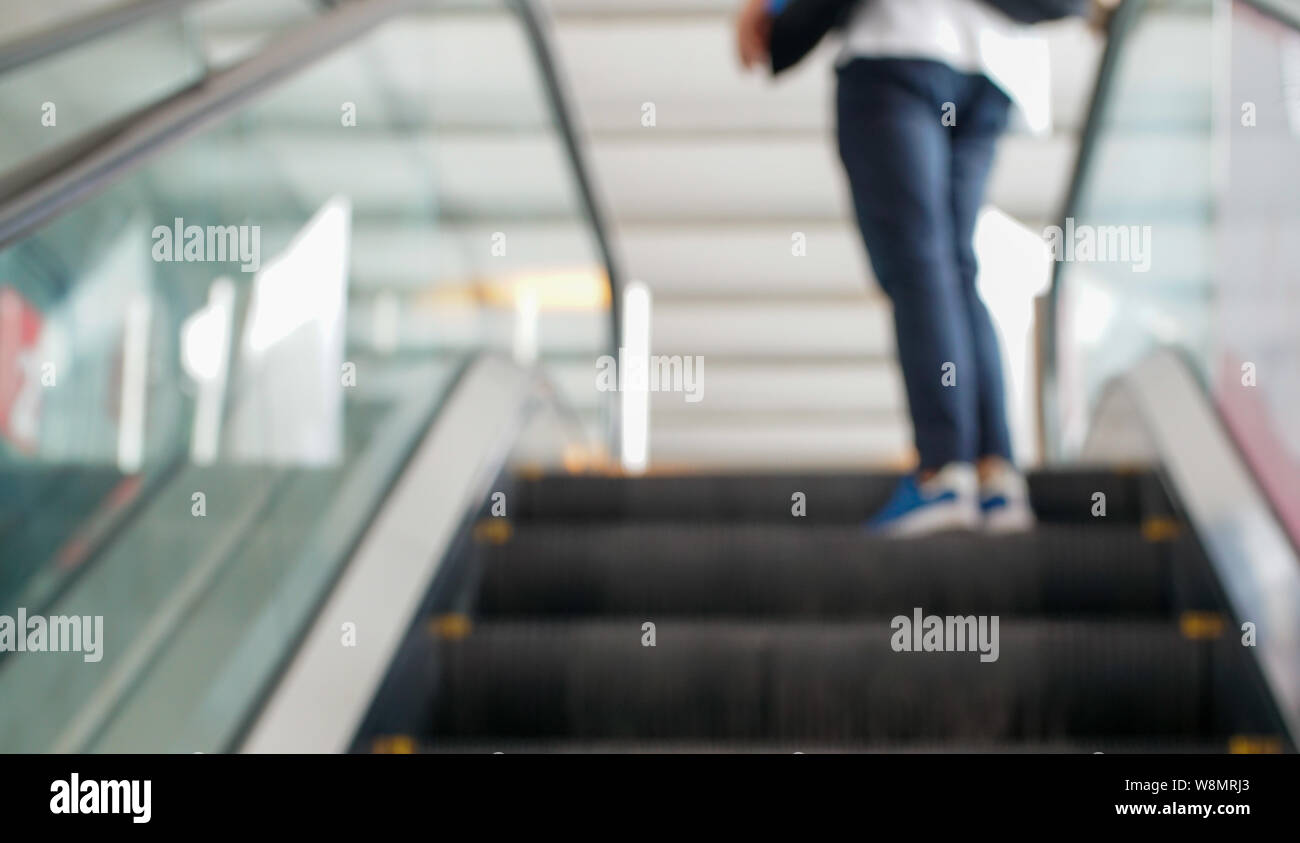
x: 753, y: 32
x: 1100, y: 14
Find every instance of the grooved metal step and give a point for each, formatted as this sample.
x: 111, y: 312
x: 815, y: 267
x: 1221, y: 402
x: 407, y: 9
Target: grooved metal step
x: 839, y: 682
x: 830, y: 498
x: 775, y: 633
x: 388, y: 744
x: 827, y: 571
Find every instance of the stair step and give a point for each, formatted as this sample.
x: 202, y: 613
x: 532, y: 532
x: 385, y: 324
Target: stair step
x: 812, y: 441
x: 831, y: 497
x: 748, y: 389
x: 658, y: 177
x: 615, y: 60
x: 864, y: 328
x: 820, y: 571
x: 838, y: 682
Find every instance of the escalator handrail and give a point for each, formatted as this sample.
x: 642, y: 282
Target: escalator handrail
x: 459, y: 459
x: 157, y: 127
x: 78, y: 31
x: 587, y: 193
x: 1117, y: 31
x: 1254, y: 559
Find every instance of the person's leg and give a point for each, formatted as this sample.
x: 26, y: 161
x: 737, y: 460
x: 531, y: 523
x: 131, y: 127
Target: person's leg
x: 896, y: 152
x: 897, y: 155
x: 981, y: 118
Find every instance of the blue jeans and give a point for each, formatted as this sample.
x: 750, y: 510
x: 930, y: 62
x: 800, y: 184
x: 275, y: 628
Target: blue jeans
x: 917, y: 187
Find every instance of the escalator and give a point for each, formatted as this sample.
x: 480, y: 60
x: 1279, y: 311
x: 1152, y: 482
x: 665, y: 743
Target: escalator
x: 376, y: 519
x: 772, y: 632
x: 1153, y: 609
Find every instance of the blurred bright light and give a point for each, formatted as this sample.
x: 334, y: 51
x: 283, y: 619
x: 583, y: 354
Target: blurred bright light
x: 205, y: 353
x: 1015, y: 266
x: 205, y: 335
x: 525, y: 338
x: 135, y: 376
x: 1093, y: 309
x: 299, y: 286
x: 288, y: 408
x: 636, y: 402
x: 1026, y: 59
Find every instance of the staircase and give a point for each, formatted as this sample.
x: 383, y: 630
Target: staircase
x: 773, y: 632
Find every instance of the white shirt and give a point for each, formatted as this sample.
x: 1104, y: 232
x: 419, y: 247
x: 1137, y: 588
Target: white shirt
x: 970, y: 36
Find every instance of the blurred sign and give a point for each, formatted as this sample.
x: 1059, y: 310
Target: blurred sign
x: 20, y: 372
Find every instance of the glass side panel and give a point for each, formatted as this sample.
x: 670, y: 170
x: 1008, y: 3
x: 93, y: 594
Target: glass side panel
x: 211, y: 372
x: 1183, y: 227
x: 1255, y: 348
x: 1134, y: 257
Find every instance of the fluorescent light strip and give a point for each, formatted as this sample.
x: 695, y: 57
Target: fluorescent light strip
x: 636, y: 401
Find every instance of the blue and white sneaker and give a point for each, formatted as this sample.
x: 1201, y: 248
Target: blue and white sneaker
x: 947, y: 501
x: 1004, y: 500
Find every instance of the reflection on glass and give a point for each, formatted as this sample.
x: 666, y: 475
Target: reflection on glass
x: 290, y: 406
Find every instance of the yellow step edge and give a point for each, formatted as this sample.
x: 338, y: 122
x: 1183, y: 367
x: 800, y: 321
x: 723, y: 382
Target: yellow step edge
x: 493, y: 531
x: 588, y: 459
x: 1161, y: 529
x: 1200, y: 626
x: 393, y: 745
x: 529, y: 471
x: 1254, y: 745
x: 452, y: 626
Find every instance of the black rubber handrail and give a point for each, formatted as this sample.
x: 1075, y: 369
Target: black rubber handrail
x: 73, y: 33
x: 146, y: 133
x: 1117, y: 31
x: 591, y: 204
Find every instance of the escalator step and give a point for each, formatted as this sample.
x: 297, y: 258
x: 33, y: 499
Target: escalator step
x: 819, y: 682
x: 806, y: 570
x: 831, y: 498
x: 628, y: 746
